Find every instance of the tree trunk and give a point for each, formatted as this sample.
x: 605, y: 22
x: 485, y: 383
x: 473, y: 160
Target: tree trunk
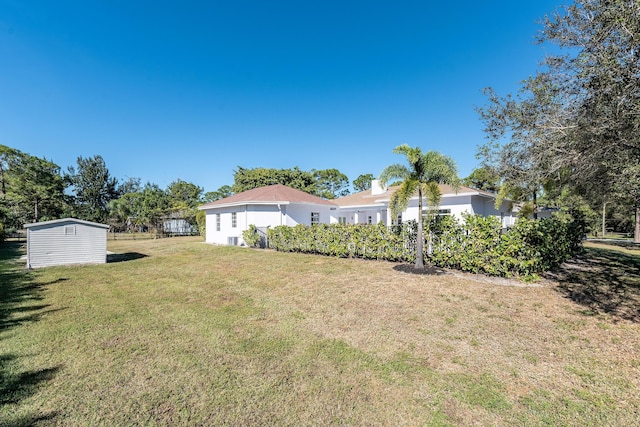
x: 535, y: 204
x: 604, y: 216
x: 636, y: 234
x: 36, y: 211
x: 420, y: 235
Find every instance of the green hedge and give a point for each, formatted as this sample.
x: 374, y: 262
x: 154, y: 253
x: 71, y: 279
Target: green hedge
x: 479, y: 244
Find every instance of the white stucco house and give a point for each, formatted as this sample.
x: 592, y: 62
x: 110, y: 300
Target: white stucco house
x: 275, y: 205
x: 263, y: 207
x: 372, y: 206
x: 66, y: 241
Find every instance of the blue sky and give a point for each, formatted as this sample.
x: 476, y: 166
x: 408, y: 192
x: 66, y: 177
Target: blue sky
x: 191, y: 90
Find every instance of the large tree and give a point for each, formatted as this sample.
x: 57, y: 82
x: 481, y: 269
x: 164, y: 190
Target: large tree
x: 327, y: 183
x: 483, y: 178
x: 93, y: 188
x: 141, y: 209
x: 183, y: 194
x: 421, y: 177
x: 363, y: 182
x: 577, y: 121
x: 222, y: 192
x: 31, y: 188
x: 330, y: 183
x: 247, y: 179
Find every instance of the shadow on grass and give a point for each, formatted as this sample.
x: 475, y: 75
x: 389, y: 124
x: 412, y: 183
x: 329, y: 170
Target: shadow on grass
x: 428, y: 270
x: 16, y: 386
x: 603, y: 281
x: 21, y: 297
x: 127, y: 256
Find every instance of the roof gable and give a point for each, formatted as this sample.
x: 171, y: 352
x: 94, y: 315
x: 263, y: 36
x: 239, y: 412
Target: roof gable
x: 65, y: 220
x: 271, y: 194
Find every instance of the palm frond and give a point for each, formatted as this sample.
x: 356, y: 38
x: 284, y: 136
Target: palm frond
x: 413, y: 154
x: 400, y: 198
x: 396, y: 171
x: 433, y: 194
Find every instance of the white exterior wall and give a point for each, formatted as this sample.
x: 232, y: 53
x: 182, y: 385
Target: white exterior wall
x: 472, y: 204
x: 486, y: 207
x: 360, y: 215
x: 64, y: 243
x: 301, y: 214
x: 226, y: 225
x: 260, y: 216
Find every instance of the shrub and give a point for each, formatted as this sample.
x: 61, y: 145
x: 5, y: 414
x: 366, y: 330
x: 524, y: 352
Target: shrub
x: 478, y: 245
x: 201, y: 222
x: 250, y: 236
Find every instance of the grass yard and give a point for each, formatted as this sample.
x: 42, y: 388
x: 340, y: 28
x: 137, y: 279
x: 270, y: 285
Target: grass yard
x: 177, y: 332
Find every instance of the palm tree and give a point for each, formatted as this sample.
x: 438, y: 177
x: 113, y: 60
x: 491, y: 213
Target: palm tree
x: 425, y: 172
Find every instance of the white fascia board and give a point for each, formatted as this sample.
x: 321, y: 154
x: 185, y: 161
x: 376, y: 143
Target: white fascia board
x: 367, y: 206
x: 231, y: 205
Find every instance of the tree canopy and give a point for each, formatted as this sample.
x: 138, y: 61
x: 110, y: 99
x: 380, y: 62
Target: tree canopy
x: 93, y: 188
x: 31, y: 188
x: 326, y: 183
x: 363, y: 182
x: 576, y: 122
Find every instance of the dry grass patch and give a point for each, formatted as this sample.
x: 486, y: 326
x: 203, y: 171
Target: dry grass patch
x: 183, y: 333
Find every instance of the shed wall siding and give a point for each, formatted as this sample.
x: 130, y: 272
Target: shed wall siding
x: 50, y: 245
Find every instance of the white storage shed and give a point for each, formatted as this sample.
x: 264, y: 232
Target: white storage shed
x: 66, y: 241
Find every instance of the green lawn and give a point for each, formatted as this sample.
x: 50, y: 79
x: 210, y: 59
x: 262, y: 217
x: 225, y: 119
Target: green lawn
x: 177, y: 332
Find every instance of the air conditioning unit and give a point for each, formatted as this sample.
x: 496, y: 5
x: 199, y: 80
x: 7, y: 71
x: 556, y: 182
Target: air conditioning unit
x: 232, y: 241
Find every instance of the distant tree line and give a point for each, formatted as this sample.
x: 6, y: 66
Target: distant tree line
x: 34, y: 189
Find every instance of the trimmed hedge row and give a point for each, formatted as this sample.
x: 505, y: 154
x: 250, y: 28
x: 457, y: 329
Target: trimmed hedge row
x: 479, y: 244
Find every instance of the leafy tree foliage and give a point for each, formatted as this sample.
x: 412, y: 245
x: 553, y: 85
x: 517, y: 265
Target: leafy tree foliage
x: 93, y: 188
x: 577, y: 121
x: 140, y: 210
x: 31, y: 188
x: 248, y: 179
x: 330, y: 183
x: 130, y: 185
x: 422, y: 176
x: 363, y: 182
x: 220, y: 193
x: 184, y: 194
x: 327, y: 183
x: 483, y: 178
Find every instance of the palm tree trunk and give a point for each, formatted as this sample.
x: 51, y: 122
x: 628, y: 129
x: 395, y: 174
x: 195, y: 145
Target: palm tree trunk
x: 420, y: 236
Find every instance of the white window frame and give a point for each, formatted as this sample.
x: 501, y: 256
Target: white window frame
x: 315, y: 218
x: 234, y: 219
x: 217, y: 222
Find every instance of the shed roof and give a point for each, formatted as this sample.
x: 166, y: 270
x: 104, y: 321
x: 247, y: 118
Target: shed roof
x: 65, y: 220
x: 271, y: 195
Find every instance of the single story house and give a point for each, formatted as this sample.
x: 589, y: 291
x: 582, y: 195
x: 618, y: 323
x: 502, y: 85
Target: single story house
x: 66, y: 241
x: 263, y: 207
x: 372, y: 206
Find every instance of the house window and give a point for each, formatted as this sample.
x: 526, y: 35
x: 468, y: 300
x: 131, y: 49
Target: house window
x: 369, y: 219
x: 217, y: 222
x: 342, y: 220
x: 234, y: 219
x: 439, y: 212
x: 69, y: 230
x: 315, y: 218
x: 399, y: 220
